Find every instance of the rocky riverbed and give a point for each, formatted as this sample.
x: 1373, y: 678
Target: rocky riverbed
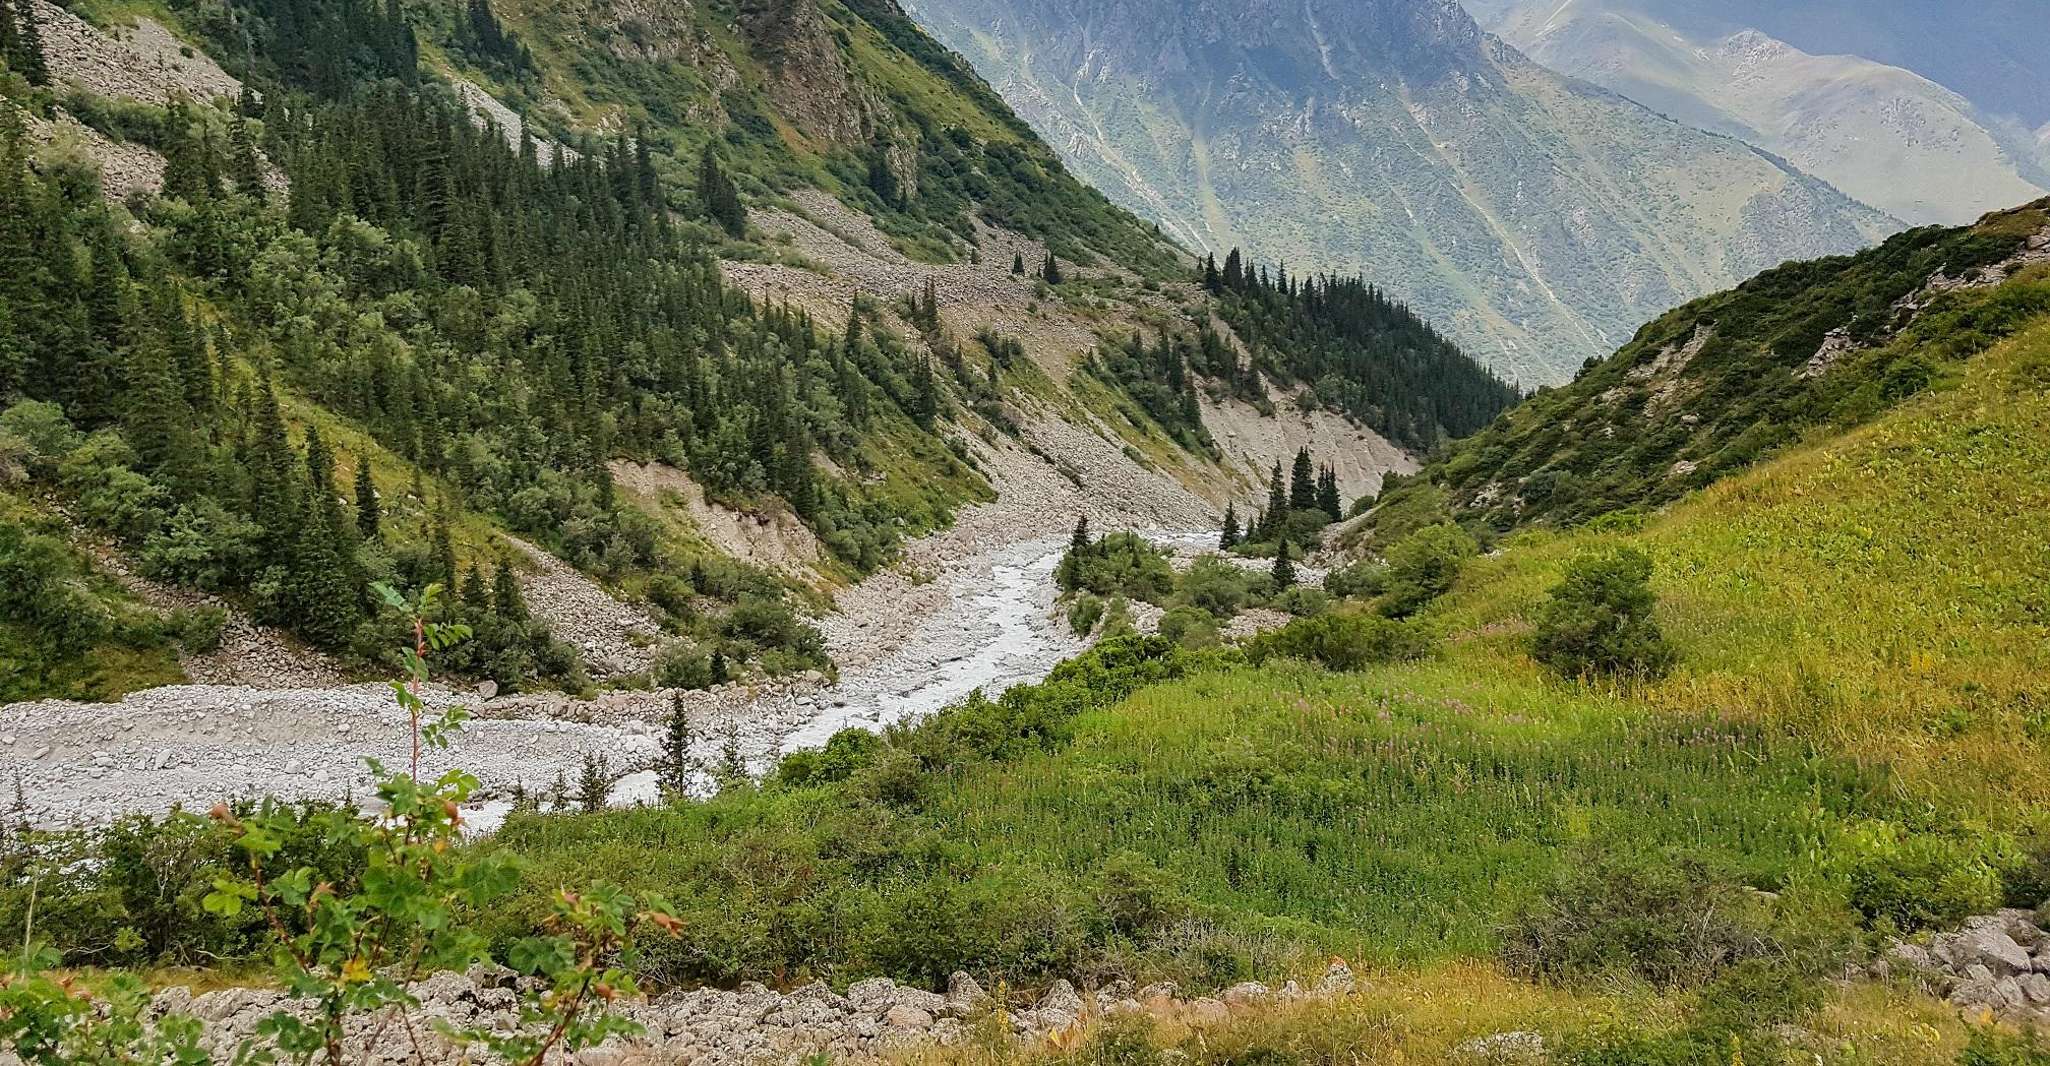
x: 925, y: 638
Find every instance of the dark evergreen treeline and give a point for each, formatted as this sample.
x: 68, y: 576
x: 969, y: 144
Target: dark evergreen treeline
x: 1159, y: 378
x: 1358, y: 351
x: 21, y: 41
x: 506, y: 325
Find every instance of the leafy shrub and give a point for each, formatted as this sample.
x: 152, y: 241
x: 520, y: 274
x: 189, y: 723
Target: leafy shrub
x: 1672, y: 924
x: 1121, y: 564
x: 685, y: 665
x: 1342, y: 641
x: 1302, y: 601
x: 1423, y: 566
x: 1599, y: 619
x: 846, y: 753
x: 1901, y: 881
x: 1084, y: 613
x: 1361, y: 580
x: 1189, y: 627
x: 1992, y: 1047
x: 1216, y: 585
x: 197, y: 629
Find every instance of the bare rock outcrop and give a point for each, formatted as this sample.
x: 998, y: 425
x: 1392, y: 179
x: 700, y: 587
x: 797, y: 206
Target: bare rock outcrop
x: 1995, y: 963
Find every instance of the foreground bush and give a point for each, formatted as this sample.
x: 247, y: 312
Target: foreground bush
x: 1423, y: 566
x: 1342, y: 641
x: 1671, y: 924
x: 1599, y: 620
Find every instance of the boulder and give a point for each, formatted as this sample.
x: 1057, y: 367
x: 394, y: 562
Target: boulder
x: 963, y: 994
x: 1207, y: 1011
x: 1245, y: 993
x: 1990, y: 946
x: 909, y: 1018
x: 874, y: 994
x: 1337, y: 979
x: 1061, y: 996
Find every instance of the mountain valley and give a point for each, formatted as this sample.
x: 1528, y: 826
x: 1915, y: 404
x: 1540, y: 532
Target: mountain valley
x: 1170, y: 534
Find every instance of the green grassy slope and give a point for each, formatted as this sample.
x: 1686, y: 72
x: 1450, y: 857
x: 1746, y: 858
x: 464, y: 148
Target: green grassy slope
x: 1856, y: 723
x: 1709, y: 388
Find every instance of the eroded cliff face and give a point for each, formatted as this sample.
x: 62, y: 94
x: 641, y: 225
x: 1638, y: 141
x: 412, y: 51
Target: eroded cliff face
x: 1537, y: 219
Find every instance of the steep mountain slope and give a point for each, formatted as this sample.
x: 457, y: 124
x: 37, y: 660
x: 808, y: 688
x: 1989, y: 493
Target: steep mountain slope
x: 1989, y: 52
x: 718, y: 308
x: 1533, y: 218
x: 1713, y: 386
x: 1887, y: 136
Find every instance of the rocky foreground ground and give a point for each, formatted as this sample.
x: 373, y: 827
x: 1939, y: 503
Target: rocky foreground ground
x: 750, y: 1025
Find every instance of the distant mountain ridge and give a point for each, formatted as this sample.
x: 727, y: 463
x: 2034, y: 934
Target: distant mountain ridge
x: 1883, y: 134
x: 1538, y: 220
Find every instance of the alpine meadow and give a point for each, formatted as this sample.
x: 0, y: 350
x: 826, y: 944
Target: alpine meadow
x: 1015, y: 533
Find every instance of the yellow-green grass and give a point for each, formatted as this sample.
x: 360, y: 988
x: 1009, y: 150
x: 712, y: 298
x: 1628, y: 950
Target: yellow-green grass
x: 1885, y: 592
x: 1427, y: 1015
x: 1395, y: 816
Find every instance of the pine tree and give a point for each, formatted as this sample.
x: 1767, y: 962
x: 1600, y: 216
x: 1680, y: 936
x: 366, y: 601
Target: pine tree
x: 1018, y: 263
x: 21, y: 37
x: 1302, y: 483
x: 1230, y: 539
x: 1079, y: 540
x: 1050, y: 271
x: 506, y: 600
x: 1271, y: 520
x: 368, y: 516
x: 720, y: 672
x: 246, y: 164
x: 677, y: 765
x: 593, y: 783
x: 719, y: 197
x: 1328, y: 499
x: 1284, y: 570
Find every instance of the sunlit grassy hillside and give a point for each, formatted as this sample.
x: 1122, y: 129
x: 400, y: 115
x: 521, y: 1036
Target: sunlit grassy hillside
x: 1854, y: 724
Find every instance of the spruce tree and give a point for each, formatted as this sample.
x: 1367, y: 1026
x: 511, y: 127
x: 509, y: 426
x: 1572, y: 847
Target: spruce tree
x: 246, y: 164
x: 1284, y: 570
x: 677, y: 765
x: 368, y: 516
x: 925, y: 406
x: 1018, y: 263
x: 1302, y: 483
x: 593, y: 783
x: 1050, y: 271
x: 1078, y: 541
x: 1328, y: 499
x: 10, y: 34
x: 1276, y: 515
x: 506, y: 600
x: 26, y: 54
x: 1230, y: 539
x: 719, y: 197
